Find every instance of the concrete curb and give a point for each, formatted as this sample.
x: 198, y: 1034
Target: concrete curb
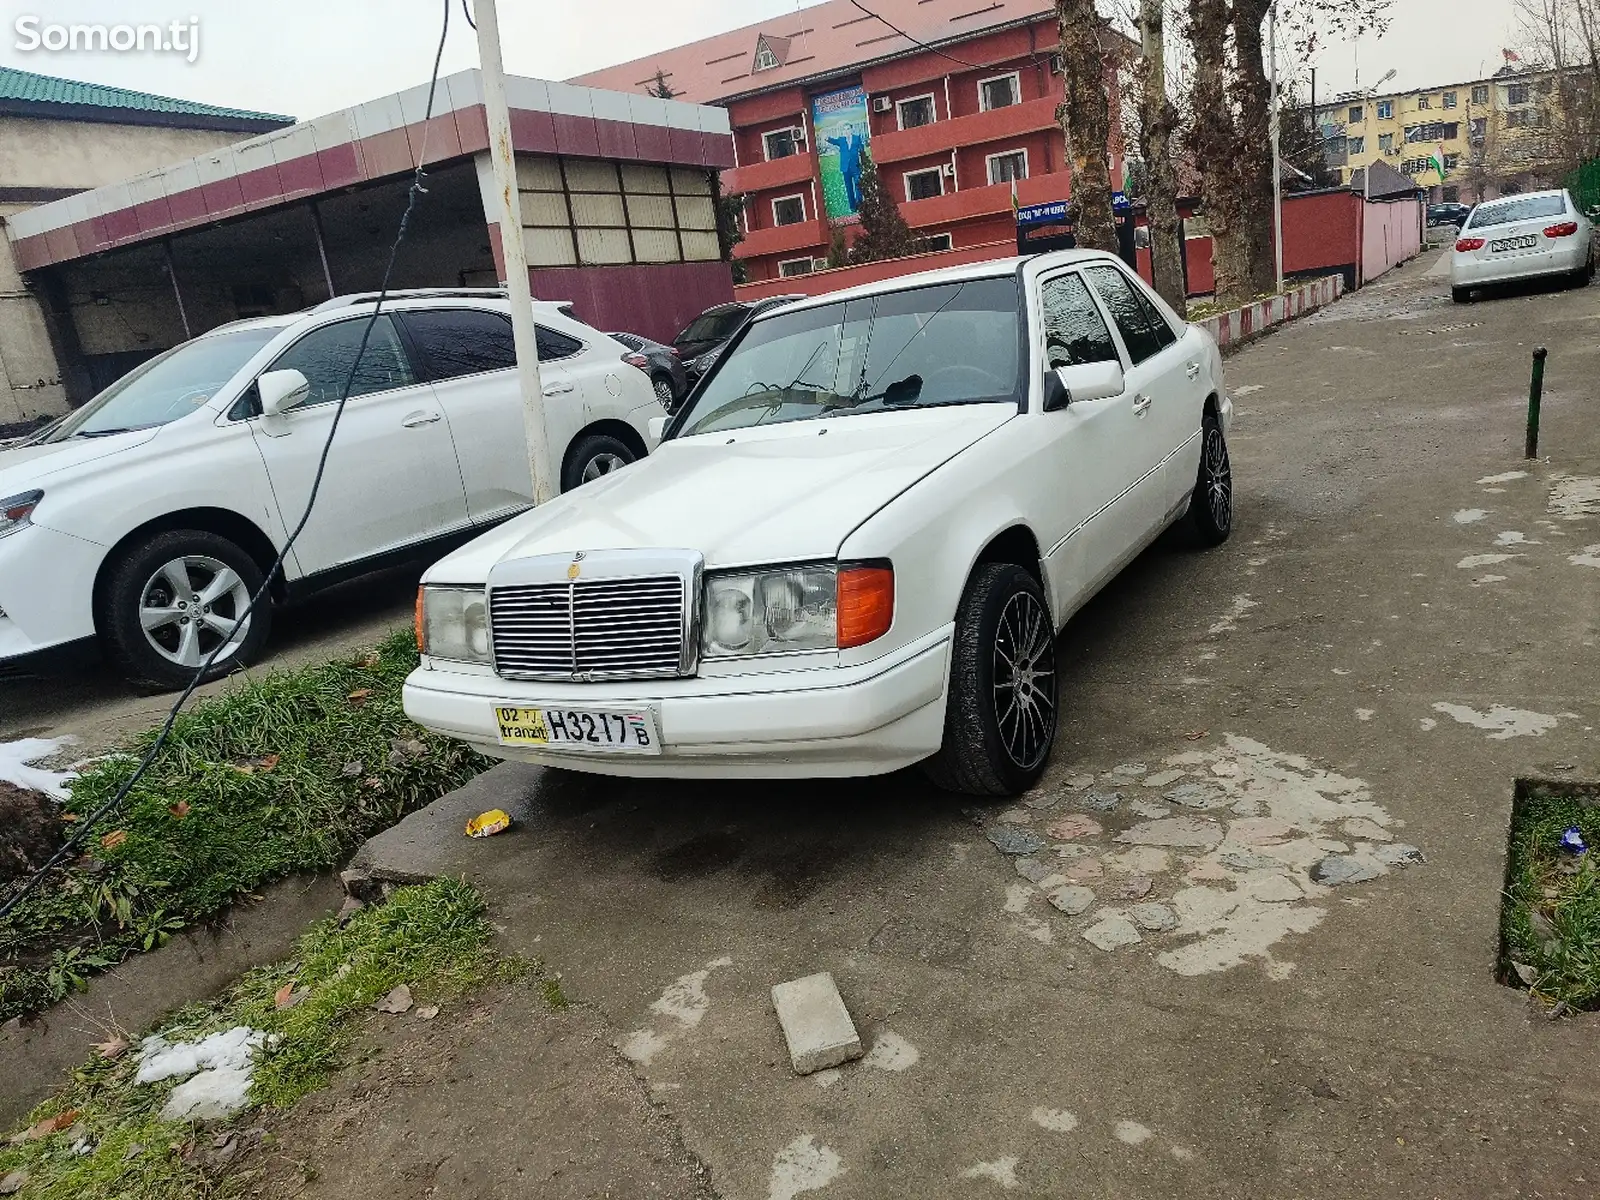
x: 1239, y: 326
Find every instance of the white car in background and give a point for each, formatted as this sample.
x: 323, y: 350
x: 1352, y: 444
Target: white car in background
x: 147, y: 518
x: 1525, y: 236
x: 856, y: 545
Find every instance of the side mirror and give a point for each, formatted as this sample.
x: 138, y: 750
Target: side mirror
x: 281, y: 391
x: 1082, y: 382
x: 658, y: 426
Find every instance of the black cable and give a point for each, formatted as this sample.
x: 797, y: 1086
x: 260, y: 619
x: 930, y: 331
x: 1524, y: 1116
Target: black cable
x: 913, y: 41
x: 466, y: 11
x: 88, y: 823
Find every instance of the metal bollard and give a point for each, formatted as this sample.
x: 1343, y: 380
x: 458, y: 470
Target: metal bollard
x: 1530, y: 445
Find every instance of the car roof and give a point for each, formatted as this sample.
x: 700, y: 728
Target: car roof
x: 1528, y: 195
x: 993, y: 269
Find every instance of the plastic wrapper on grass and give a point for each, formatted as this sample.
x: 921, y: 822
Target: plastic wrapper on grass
x: 1550, y: 913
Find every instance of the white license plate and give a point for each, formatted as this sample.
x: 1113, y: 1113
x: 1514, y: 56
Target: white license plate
x: 587, y: 730
x: 1516, y: 243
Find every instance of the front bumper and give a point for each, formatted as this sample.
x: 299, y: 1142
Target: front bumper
x: 834, y: 721
x: 1475, y: 272
x: 46, y: 591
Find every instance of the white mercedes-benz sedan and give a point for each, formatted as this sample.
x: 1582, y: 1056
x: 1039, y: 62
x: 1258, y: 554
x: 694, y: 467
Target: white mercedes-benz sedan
x: 856, y: 545
x: 1522, y: 237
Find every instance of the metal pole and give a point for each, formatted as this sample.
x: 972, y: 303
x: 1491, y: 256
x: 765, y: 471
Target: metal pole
x: 523, y: 332
x: 322, y: 249
x: 1277, y: 170
x: 1530, y: 444
x: 172, y: 274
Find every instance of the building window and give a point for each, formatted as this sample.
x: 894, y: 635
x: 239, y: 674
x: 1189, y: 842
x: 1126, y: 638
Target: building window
x: 1449, y: 99
x: 1451, y: 195
x: 582, y: 212
x: 1476, y: 128
x: 789, y: 210
x: 1413, y: 166
x: 1424, y: 101
x: 922, y: 185
x: 1355, y: 114
x: 1517, y: 93
x: 1357, y: 145
x: 1451, y: 161
x: 933, y: 242
x: 1480, y: 93
x: 1433, y: 131
x: 1385, y: 110
x: 1000, y: 92
x: 791, y: 267
x: 916, y: 112
x: 1003, y: 168
x: 780, y: 143
x: 1386, y: 143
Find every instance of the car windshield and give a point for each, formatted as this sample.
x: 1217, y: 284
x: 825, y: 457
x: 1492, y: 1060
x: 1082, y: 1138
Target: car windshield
x: 953, y: 343
x: 169, y: 386
x: 1518, y: 208
x: 711, y: 327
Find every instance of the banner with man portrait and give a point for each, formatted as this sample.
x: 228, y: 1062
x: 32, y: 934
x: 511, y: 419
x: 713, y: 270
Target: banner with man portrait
x: 843, y: 134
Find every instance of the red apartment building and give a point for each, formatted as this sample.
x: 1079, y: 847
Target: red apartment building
x: 953, y: 99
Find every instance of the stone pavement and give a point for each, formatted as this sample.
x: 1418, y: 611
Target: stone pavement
x: 1241, y: 941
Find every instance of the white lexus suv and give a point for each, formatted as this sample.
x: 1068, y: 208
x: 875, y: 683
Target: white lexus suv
x: 856, y: 545
x: 148, y: 517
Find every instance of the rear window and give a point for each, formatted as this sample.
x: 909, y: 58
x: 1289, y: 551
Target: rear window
x: 1517, y: 208
x: 712, y: 327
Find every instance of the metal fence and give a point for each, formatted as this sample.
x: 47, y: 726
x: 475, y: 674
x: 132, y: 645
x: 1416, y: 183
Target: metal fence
x: 1584, y: 184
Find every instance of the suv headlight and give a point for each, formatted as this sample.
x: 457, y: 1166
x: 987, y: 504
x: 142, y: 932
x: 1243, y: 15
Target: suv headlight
x: 15, y: 511
x: 781, y: 610
x: 453, y: 624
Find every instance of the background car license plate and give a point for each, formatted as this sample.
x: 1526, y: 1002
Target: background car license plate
x: 1516, y: 243
x: 630, y: 731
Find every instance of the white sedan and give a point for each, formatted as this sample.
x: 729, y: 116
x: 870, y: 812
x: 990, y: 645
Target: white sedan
x: 1522, y: 237
x: 146, y: 519
x: 856, y: 546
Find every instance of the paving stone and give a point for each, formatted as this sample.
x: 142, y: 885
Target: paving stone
x: 1072, y: 900
x: 1196, y: 796
x: 1008, y: 839
x: 1208, y: 870
x: 1162, y: 778
x: 1041, y: 799
x: 1360, y: 827
x: 1076, y: 783
x: 1194, y: 833
x: 1075, y: 826
x: 1273, y: 889
x: 1129, y: 768
x: 1260, y: 831
x: 1032, y: 869
x: 1135, y: 887
x: 1100, y: 801
x: 1081, y: 869
x: 1147, y: 810
x: 1345, y: 868
x: 1398, y: 855
x: 1141, y: 860
x: 1153, y: 918
x: 1111, y: 932
x: 1247, y: 860
x: 815, y: 1023
x: 1016, y: 816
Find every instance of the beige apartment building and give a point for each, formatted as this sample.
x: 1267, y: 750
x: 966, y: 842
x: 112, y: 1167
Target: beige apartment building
x: 1465, y: 141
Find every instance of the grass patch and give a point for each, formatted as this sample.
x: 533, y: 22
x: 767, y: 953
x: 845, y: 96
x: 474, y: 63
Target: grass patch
x: 433, y: 937
x: 283, y: 773
x: 1550, y: 911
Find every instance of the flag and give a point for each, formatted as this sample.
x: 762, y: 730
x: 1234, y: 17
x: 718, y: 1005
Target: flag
x: 1511, y: 56
x: 1436, y: 160
x: 1015, y: 207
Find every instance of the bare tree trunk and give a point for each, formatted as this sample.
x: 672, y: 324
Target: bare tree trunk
x: 1213, y: 143
x: 1085, y: 117
x: 1251, y: 98
x: 1157, y: 119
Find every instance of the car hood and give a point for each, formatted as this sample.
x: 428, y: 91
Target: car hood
x: 25, y: 467
x: 783, y: 493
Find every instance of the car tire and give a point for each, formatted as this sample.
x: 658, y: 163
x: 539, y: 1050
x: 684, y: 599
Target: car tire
x: 143, y: 584
x: 1003, y: 617
x: 1461, y: 295
x: 1211, y: 506
x: 593, y: 456
x: 665, y: 392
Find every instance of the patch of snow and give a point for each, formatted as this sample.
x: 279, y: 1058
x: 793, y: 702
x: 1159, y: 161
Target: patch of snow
x: 1468, y: 516
x: 1589, y: 556
x: 1505, y: 722
x: 803, y: 1166
x: 216, y: 1070
x: 16, y: 769
x: 1473, y: 561
x: 1229, y: 620
x: 891, y: 1052
x: 1575, y: 497
x: 1056, y: 1120
x: 1002, y: 1171
x: 1504, y: 477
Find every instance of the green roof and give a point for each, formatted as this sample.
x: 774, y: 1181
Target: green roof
x: 25, y: 88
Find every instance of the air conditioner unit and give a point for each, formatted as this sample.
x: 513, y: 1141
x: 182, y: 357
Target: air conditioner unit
x: 882, y: 104
x: 798, y: 133
x: 948, y: 170
x: 1056, y: 66
x: 819, y: 264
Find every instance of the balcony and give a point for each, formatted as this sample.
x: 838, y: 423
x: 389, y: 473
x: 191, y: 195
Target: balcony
x: 984, y: 201
x: 783, y: 239
x: 774, y: 173
x: 941, y: 137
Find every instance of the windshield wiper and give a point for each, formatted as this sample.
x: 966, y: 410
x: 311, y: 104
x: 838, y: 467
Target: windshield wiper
x: 106, y: 432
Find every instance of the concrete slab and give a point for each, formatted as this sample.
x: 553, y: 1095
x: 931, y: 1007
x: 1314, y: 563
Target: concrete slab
x: 815, y: 1022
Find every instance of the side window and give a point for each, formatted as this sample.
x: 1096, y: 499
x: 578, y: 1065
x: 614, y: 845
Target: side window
x: 1142, y: 340
x: 1073, y: 331
x: 324, y: 356
x: 462, y: 341
x: 553, y: 345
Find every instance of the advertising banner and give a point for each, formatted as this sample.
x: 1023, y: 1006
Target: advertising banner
x: 842, y: 133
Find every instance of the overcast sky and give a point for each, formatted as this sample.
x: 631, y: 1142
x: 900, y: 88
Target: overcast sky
x: 307, y: 57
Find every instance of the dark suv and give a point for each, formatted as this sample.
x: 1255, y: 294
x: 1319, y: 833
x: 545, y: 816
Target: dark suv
x: 1448, y: 214
x: 707, y: 334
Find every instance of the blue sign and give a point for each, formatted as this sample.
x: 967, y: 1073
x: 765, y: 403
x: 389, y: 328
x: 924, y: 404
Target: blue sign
x: 1034, y: 214
x: 1119, y: 200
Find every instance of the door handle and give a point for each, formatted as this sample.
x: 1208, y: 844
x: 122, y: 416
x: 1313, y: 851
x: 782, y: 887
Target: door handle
x: 1141, y: 404
x: 419, y: 418
x: 1194, y: 370
x: 556, y: 389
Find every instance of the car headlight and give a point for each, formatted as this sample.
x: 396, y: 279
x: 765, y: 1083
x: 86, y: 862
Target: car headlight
x: 785, y: 609
x: 15, y: 511
x: 453, y: 624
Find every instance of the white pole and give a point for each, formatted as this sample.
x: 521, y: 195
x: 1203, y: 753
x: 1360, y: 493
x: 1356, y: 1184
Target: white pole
x: 1277, y: 170
x: 516, y: 254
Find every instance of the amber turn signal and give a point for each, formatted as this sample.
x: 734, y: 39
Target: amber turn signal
x: 416, y: 622
x: 866, y: 604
